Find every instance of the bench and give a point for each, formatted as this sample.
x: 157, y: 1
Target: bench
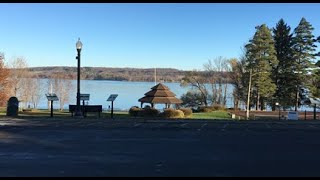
x: 85, y: 109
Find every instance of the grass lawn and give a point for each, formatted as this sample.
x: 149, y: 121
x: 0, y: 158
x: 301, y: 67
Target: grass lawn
x: 44, y: 113
x: 211, y: 115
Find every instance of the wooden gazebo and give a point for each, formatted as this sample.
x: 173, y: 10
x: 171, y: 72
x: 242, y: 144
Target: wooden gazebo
x: 160, y: 94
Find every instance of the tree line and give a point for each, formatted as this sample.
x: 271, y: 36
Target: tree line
x: 278, y: 63
x: 16, y: 80
x: 115, y: 74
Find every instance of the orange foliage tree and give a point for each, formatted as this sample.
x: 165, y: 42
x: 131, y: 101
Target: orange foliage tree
x: 4, y: 82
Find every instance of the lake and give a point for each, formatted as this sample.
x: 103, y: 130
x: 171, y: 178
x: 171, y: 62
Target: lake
x: 128, y: 93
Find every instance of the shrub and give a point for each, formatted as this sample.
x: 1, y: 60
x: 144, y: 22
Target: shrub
x: 172, y: 113
x: 134, y: 111
x: 191, y: 99
x: 178, y: 114
x: 149, y: 112
x: 186, y: 111
x: 218, y: 107
x: 168, y: 113
x: 205, y: 109
x: 234, y: 109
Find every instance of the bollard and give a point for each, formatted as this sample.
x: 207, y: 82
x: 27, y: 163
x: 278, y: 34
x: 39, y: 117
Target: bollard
x: 305, y: 114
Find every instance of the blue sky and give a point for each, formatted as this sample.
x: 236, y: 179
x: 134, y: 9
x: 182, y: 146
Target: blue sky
x: 139, y: 35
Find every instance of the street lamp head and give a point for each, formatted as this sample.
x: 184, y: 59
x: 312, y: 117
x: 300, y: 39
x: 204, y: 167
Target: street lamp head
x: 277, y: 104
x: 79, y: 45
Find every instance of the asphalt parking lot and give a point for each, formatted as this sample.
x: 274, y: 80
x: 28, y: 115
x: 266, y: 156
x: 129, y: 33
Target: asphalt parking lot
x: 99, y: 147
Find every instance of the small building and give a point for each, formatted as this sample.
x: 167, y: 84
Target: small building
x: 160, y: 94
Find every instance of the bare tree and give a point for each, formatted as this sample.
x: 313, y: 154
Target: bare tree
x: 18, y: 76
x: 35, y: 91
x: 25, y: 88
x: 196, y: 80
x: 62, y: 87
x: 239, y: 80
x: 217, y: 72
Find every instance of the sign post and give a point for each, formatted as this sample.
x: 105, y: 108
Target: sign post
x: 314, y: 102
x: 111, y: 98
x: 52, y: 97
x: 293, y: 115
x: 84, y: 97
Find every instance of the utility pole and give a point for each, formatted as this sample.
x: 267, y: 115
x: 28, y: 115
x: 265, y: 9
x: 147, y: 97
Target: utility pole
x: 155, y: 76
x: 248, y: 98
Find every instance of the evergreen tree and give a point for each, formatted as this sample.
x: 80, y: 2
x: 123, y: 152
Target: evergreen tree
x: 283, y: 74
x: 261, y: 59
x: 315, y: 89
x: 304, y: 48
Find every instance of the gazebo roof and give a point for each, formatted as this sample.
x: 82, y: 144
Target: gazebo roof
x: 160, y: 86
x: 161, y: 100
x: 160, y: 94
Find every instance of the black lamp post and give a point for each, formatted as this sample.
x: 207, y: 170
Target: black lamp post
x: 78, y: 112
x: 278, y: 105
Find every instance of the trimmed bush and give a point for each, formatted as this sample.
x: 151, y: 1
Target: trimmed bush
x: 172, y: 113
x: 149, y: 112
x: 186, y: 111
x: 168, y: 113
x: 178, y: 114
x: 134, y: 111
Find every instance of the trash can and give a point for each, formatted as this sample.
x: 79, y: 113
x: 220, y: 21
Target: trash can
x: 13, y: 106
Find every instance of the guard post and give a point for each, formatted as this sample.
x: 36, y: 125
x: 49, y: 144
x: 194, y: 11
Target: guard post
x: 111, y: 98
x: 52, y: 97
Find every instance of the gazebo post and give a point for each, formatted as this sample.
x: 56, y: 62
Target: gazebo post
x: 141, y: 104
x: 152, y: 105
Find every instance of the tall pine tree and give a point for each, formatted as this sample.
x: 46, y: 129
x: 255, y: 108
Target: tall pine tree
x: 283, y: 73
x: 261, y: 59
x: 315, y: 89
x: 304, y: 48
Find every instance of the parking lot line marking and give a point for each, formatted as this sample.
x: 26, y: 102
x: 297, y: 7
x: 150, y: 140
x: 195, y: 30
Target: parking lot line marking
x: 184, y: 124
x: 137, y: 124
x: 161, y: 125
x: 226, y: 125
x: 312, y: 126
x: 203, y: 125
x: 268, y: 126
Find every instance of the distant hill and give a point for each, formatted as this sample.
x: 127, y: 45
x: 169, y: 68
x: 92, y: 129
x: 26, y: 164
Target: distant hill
x: 106, y: 73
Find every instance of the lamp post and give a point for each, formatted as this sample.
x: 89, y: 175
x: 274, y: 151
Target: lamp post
x: 78, y: 112
x: 278, y: 105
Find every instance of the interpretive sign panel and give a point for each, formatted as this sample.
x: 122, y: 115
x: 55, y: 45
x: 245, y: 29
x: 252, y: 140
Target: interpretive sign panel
x: 293, y: 115
x: 52, y: 97
x: 84, y: 97
x: 112, y: 97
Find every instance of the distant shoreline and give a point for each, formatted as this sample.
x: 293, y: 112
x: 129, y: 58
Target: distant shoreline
x: 111, y: 74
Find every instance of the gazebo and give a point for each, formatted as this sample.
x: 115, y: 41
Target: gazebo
x: 160, y: 94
